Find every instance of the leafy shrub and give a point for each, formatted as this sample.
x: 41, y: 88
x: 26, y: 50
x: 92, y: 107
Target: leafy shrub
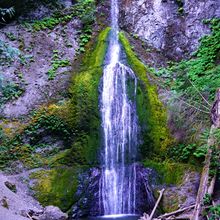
x: 22, y: 146
x: 181, y: 152
x: 207, y: 199
x: 50, y: 123
x: 9, y: 91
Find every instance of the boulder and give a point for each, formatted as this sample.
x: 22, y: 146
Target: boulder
x: 11, y: 186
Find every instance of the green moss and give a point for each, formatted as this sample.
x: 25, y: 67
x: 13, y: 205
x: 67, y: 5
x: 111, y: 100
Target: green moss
x: 170, y: 173
x: 84, y: 111
x: 151, y: 112
x: 56, y: 187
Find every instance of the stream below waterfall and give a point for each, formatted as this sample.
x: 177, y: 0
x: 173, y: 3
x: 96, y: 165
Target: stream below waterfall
x: 118, y: 217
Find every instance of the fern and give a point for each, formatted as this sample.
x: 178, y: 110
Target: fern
x: 10, y: 12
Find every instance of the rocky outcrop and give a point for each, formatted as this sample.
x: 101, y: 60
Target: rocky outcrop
x: 182, y: 195
x: 171, y: 26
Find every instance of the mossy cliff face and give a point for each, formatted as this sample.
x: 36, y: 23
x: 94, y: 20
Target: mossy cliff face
x: 58, y: 185
x: 84, y: 106
x: 151, y: 112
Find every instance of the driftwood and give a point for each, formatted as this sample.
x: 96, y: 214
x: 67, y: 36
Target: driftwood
x: 206, y: 186
x: 146, y: 216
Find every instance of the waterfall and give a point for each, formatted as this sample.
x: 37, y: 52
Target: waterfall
x: 120, y: 129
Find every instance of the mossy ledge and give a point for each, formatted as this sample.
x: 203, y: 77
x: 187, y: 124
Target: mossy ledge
x: 151, y: 112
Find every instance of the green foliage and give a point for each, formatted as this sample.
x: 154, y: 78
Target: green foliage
x: 84, y: 39
x: 51, y: 125
x: 84, y: 106
x: 214, y: 212
x: 194, y: 153
x: 2, y: 135
x: 22, y: 146
x: 151, y: 112
x: 207, y: 199
x: 182, y: 152
x: 214, y: 168
x: 180, y: 4
x: 85, y: 10
x: 201, y: 72
x: 201, y: 151
x: 9, y: 91
x: 8, y: 54
x: 11, y: 36
x: 46, y: 23
x: 56, y: 62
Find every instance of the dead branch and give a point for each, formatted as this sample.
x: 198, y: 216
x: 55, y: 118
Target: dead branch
x: 157, y: 203
x: 146, y: 216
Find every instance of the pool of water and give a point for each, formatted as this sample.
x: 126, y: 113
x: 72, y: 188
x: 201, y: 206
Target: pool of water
x: 117, y: 217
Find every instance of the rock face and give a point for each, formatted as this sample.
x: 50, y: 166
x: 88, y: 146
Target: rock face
x: 37, y: 49
x: 89, y: 203
x: 53, y: 213
x: 183, y: 195
x: 16, y: 205
x: 166, y: 25
x: 29, y: 58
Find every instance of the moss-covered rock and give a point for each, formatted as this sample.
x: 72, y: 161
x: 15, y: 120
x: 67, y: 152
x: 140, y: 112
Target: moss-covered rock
x: 181, y: 181
x: 84, y: 104
x: 151, y: 112
x: 169, y: 172
x: 56, y: 186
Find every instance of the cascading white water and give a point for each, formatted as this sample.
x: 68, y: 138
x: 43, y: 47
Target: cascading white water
x: 120, y: 129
